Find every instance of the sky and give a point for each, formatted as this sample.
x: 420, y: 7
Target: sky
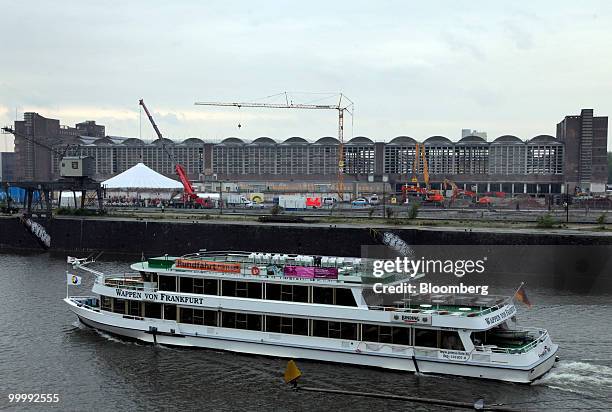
x: 411, y: 68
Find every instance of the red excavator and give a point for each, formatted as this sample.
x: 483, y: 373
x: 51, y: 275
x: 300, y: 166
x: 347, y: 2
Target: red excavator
x: 190, y: 194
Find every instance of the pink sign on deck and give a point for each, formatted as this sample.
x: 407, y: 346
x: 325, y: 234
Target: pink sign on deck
x: 299, y: 272
x: 326, y: 273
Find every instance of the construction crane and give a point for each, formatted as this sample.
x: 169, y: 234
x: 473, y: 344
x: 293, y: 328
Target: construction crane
x: 178, y: 168
x: 341, y: 107
x: 61, y: 154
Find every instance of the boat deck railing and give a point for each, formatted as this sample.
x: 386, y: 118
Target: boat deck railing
x: 247, y: 261
x: 538, y: 336
x: 446, y: 304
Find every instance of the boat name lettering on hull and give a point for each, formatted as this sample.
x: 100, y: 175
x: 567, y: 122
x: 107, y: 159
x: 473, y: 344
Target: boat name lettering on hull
x: 158, y: 297
x: 511, y: 310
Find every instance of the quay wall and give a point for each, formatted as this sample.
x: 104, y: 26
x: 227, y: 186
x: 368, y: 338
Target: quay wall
x: 580, y: 262
x: 134, y: 237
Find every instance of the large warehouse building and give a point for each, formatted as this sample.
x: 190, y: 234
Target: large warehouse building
x: 574, y: 159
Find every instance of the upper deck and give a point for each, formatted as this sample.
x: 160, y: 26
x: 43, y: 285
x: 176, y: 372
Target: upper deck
x: 260, y: 266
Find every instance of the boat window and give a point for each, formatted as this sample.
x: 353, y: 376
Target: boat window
x: 169, y: 312
x: 281, y: 324
x: 205, y: 317
x: 479, y: 338
x: 185, y: 315
x: 152, y: 310
x: 134, y: 307
x: 300, y: 293
x: 345, y: 297
x: 450, y: 340
x: 273, y: 291
x: 105, y: 303
x: 323, y: 295
x: 149, y: 276
x: 401, y: 336
x: 211, y: 286
x: 386, y: 334
x: 240, y: 321
x: 232, y: 288
x: 119, y: 305
x: 337, y: 330
x: 167, y: 283
x: 426, y: 337
x: 186, y: 285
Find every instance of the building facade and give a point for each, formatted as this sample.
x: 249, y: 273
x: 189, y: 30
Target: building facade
x: 574, y: 160
x: 33, y: 155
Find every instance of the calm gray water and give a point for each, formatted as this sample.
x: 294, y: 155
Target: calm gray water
x: 43, y: 349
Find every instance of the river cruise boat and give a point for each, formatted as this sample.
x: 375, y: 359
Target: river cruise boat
x: 312, y: 307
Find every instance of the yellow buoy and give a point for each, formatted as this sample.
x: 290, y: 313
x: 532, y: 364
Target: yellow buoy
x: 292, y: 373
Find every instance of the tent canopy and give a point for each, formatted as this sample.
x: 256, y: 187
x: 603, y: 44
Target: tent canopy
x: 141, y: 177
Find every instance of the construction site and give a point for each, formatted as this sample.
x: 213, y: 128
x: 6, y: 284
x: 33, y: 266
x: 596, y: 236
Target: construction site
x: 354, y: 177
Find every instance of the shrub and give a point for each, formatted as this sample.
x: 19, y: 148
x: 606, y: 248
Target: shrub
x: 413, y: 211
x: 601, y: 220
x: 276, y: 210
x: 389, y: 212
x: 546, y: 221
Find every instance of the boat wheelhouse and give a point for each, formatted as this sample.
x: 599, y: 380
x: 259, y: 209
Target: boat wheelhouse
x: 313, y: 307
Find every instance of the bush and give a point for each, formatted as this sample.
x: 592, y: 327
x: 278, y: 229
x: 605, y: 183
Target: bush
x: 78, y: 212
x: 601, y: 220
x: 413, y: 211
x: 546, y: 221
x: 370, y: 213
x: 389, y: 212
x: 276, y: 210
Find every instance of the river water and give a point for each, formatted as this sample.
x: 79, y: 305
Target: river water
x: 43, y: 349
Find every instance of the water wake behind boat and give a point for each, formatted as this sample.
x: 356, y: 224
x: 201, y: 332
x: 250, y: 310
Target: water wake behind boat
x: 578, y: 377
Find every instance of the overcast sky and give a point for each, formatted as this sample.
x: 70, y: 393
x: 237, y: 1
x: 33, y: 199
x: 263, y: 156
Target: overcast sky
x: 412, y: 68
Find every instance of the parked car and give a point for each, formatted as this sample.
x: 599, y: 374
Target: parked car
x: 374, y: 200
x: 254, y: 205
x: 359, y: 202
x: 329, y: 201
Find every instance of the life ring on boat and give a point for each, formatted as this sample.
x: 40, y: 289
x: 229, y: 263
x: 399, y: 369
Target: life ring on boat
x: 255, y: 270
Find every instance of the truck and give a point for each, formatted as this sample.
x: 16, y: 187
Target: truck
x: 234, y: 199
x: 292, y: 202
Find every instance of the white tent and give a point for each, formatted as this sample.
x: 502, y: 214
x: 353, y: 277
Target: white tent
x: 141, y: 177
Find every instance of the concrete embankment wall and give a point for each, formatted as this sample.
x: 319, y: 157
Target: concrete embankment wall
x: 581, y: 262
x: 151, y: 237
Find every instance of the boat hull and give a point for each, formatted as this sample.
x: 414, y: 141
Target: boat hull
x: 266, y: 344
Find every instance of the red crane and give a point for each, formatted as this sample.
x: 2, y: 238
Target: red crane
x: 178, y: 168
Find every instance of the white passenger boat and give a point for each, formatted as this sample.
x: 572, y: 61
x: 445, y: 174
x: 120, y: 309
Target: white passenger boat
x: 312, y: 307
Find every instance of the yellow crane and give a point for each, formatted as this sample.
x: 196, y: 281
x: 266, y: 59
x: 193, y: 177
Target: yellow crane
x: 419, y: 153
x: 344, y: 105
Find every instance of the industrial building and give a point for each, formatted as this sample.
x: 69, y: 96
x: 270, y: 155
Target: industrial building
x: 574, y: 159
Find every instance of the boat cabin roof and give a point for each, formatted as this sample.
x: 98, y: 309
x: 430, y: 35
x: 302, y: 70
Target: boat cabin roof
x: 259, y: 266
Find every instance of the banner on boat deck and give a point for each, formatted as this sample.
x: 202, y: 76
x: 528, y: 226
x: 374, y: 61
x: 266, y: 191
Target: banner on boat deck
x: 207, y: 265
x: 308, y: 272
